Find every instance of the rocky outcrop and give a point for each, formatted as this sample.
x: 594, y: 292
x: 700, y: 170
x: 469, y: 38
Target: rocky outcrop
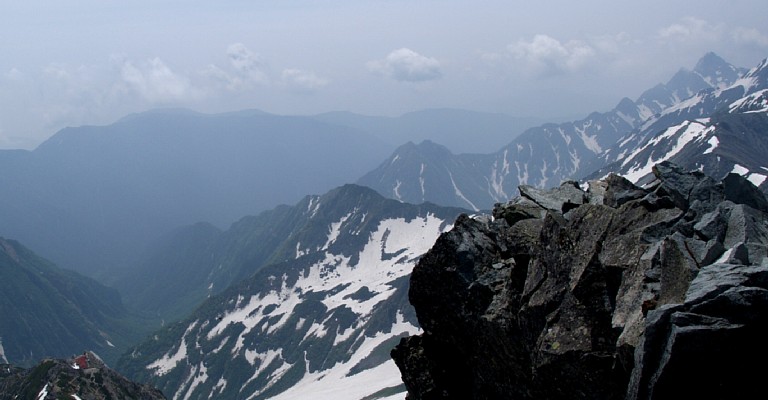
x: 84, y: 377
x: 613, y: 292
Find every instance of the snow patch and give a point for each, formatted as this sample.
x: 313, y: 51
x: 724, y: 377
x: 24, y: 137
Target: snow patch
x: 265, y: 359
x: 221, y: 345
x: 334, y: 383
x: 626, y: 118
x: 219, y: 387
x: 421, y: 181
x: 724, y: 257
x: 756, y: 179
x: 738, y: 169
x: 199, y: 375
x: 460, y: 195
x: 168, y: 362
x: 43, y: 392
x: 590, y: 142
x: 299, y: 251
x: 336, y: 230
x: 317, y: 330
x: 522, y: 174
x: 2, y: 352
x: 497, y: 177
x: 713, y: 143
x: 396, y: 190
x: 755, y: 103
x: 390, y: 253
x: 686, y: 132
x: 313, y: 206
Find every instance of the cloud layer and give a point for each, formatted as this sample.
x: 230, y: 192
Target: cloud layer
x: 563, y: 59
x: 548, y: 56
x: 406, y: 65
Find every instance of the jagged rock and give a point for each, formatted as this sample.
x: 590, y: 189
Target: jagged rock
x: 683, y: 187
x: 603, y: 295
x: 620, y: 190
x: 519, y: 209
x: 562, y: 198
x: 709, y: 339
x: 739, y: 189
x: 88, y: 379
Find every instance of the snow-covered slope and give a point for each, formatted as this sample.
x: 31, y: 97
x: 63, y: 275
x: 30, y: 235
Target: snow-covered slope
x: 543, y: 156
x: 717, y: 131
x: 319, y: 324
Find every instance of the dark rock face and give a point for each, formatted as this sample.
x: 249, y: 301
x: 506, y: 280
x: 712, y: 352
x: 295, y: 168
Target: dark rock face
x: 615, y: 292
x: 71, y: 379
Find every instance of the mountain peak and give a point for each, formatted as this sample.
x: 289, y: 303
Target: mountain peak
x: 710, y: 61
x: 717, y: 72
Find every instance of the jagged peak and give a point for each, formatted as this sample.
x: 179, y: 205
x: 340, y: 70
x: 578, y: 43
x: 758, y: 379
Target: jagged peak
x: 710, y: 61
x: 626, y: 106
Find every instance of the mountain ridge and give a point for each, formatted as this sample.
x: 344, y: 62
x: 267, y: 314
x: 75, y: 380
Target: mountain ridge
x: 543, y: 155
x: 718, y: 131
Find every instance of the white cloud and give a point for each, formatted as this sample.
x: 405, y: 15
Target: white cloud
x: 691, y: 29
x: 14, y: 74
x: 303, y: 81
x: 406, y: 65
x: 156, y: 82
x: 544, y: 55
x: 246, y: 69
x: 249, y: 65
x: 687, y: 28
x: 749, y: 36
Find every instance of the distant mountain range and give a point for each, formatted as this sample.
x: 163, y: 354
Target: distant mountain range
x: 461, y: 131
x: 542, y: 156
x: 327, y: 300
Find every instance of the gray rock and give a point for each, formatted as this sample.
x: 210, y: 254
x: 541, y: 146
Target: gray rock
x: 709, y: 339
x: 517, y: 210
x: 741, y: 191
x: 567, y: 297
x: 620, y: 190
x: 561, y: 199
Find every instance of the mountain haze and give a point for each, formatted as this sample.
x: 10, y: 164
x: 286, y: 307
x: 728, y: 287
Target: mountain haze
x: 92, y: 197
x: 461, y: 131
x: 50, y: 312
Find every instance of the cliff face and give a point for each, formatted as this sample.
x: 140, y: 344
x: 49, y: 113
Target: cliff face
x: 616, y: 292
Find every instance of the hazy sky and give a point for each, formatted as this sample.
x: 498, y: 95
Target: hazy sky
x: 69, y: 63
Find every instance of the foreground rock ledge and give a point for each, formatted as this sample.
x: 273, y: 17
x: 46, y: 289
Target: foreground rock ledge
x: 611, y: 293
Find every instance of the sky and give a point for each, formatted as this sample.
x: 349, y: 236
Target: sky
x: 91, y: 62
